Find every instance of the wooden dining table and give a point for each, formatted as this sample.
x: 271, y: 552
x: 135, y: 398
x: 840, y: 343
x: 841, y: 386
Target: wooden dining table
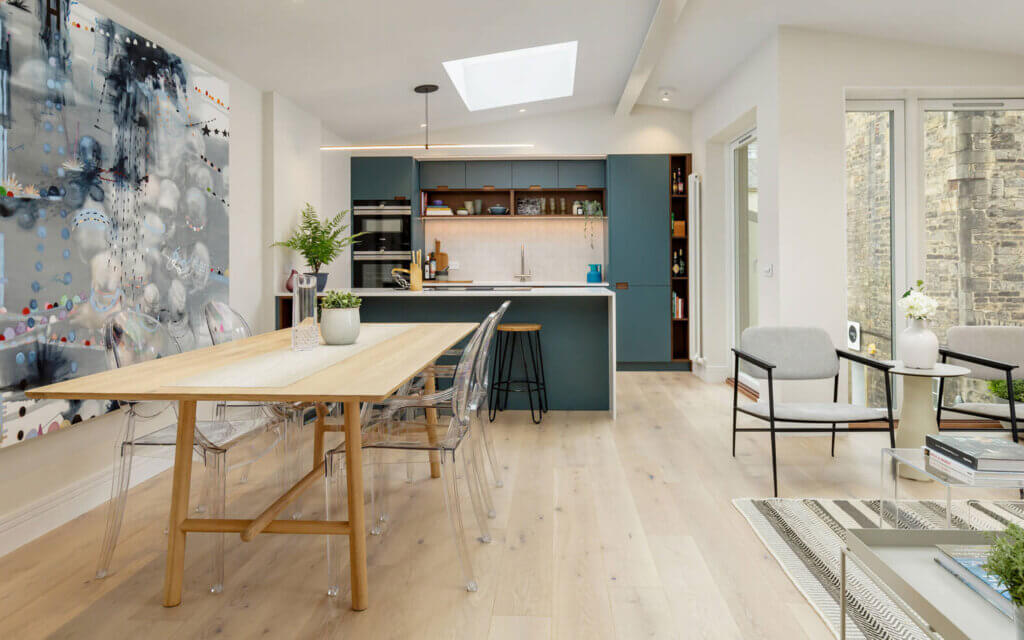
x: 264, y: 368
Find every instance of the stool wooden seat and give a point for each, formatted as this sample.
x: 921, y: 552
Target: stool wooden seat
x: 519, y: 327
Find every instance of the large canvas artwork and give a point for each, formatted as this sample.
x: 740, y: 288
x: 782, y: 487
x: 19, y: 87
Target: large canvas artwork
x: 114, y: 179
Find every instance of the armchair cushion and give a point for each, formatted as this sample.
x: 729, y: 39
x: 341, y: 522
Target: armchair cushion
x: 818, y: 412
x: 996, y: 410
x: 798, y: 353
x: 1005, y: 344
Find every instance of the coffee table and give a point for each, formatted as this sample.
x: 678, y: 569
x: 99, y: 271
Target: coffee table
x: 897, y: 462
x: 902, y: 564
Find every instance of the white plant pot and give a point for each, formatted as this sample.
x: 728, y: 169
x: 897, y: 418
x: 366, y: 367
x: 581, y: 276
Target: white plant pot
x: 339, y: 326
x: 919, y: 348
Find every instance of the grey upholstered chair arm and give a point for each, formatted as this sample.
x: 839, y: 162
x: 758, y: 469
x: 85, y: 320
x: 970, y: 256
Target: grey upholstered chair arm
x: 743, y: 355
x: 856, y: 357
x: 967, y: 357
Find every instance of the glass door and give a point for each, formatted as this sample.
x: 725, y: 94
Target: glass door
x: 744, y: 164
x: 874, y: 202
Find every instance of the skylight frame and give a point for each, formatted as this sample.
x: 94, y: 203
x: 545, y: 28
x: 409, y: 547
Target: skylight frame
x: 515, y: 77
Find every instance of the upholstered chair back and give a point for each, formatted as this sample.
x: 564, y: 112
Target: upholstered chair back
x: 798, y: 353
x: 1005, y: 344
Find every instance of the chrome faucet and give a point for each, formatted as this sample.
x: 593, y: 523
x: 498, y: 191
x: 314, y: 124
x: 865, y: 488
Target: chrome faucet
x: 523, y: 274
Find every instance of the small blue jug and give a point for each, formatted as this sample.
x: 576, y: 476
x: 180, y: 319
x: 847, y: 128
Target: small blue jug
x: 594, y: 275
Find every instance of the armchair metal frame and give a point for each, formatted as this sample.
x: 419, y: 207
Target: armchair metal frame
x: 768, y: 367
x: 946, y: 353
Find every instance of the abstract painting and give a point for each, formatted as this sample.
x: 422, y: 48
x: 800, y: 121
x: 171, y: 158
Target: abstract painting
x: 113, y: 196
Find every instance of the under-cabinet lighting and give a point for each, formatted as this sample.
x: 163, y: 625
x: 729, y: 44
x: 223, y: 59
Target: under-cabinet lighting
x: 421, y: 147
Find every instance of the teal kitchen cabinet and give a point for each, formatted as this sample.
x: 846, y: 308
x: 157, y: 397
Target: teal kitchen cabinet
x: 383, y: 178
x: 642, y: 324
x: 638, y: 220
x: 450, y: 174
x: 489, y: 173
x: 589, y: 173
x: 535, y: 173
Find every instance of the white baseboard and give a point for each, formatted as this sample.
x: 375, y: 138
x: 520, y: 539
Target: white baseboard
x: 28, y: 523
x: 712, y: 374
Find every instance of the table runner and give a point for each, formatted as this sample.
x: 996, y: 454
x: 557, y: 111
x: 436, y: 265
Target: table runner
x: 285, y: 367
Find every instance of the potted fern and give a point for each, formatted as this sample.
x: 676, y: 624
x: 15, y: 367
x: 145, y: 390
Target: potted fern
x: 339, y: 317
x: 319, y: 242
x: 1006, y: 562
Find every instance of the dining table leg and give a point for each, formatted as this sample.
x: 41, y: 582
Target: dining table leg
x: 429, y: 387
x: 175, y: 570
x: 318, y: 434
x: 356, y: 509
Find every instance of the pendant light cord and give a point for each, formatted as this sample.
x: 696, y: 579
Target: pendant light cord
x: 426, y: 120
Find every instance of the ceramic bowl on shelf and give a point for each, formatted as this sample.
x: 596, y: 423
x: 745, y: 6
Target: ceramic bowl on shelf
x: 498, y: 210
x: 437, y: 203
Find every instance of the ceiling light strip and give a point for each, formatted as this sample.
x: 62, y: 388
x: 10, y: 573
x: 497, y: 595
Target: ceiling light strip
x: 422, y: 147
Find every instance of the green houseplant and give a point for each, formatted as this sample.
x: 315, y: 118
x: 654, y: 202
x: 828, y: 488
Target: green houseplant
x: 339, y: 317
x: 1006, y: 562
x: 319, y: 242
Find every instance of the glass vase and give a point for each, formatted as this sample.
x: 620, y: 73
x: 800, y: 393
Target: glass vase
x: 305, y: 331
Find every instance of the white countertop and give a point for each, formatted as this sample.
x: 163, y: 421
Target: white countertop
x: 516, y: 283
x: 500, y: 292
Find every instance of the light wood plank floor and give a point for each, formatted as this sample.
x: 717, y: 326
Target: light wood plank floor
x: 604, y: 529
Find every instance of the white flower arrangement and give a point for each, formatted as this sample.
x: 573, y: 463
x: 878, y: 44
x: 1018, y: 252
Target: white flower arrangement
x: 916, y: 304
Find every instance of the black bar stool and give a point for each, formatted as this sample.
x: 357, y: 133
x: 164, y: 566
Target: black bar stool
x: 523, y: 337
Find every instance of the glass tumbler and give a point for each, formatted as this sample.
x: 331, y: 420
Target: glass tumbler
x: 305, y: 331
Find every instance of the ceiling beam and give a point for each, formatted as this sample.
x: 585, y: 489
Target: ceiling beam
x: 658, y: 35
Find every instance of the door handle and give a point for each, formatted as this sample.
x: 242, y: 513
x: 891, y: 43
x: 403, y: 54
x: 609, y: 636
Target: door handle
x: 621, y: 285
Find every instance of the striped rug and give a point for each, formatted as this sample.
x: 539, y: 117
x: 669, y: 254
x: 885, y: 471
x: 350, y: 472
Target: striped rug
x: 805, y: 536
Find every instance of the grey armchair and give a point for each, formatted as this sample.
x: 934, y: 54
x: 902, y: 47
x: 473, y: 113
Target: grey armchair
x: 991, y: 353
x: 801, y: 353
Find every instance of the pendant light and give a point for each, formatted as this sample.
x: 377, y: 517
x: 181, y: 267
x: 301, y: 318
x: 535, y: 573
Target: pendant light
x: 426, y: 90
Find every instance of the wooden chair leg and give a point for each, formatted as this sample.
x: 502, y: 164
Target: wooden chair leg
x: 175, y: 569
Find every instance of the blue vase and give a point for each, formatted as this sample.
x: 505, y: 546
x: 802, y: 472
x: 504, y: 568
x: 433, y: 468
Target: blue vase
x: 594, y: 275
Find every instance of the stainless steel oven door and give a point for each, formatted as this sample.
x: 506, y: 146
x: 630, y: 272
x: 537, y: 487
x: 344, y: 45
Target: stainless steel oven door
x: 372, y: 269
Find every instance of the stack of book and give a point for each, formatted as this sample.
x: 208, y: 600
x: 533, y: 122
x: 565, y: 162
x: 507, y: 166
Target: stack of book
x: 438, y: 210
x: 973, y: 458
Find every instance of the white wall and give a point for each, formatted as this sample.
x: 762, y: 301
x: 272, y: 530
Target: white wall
x: 336, y: 189
x: 292, y: 178
x: 594, y: 131
x: 816, y: 71
x: 748, y: 98
x: 802, y: 197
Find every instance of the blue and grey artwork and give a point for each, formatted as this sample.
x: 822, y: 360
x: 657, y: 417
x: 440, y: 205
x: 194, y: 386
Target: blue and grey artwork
x: 113, y: 195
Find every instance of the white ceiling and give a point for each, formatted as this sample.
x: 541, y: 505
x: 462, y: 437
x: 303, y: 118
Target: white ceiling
x: 354, y: 62
x: 714, y: 36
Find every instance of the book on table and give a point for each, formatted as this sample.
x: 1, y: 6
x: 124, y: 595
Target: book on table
x: 936, y: 461
x: 980, y: 453
x: 966, y: 562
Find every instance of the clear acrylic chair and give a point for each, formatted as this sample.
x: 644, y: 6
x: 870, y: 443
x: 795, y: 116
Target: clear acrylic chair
x: 227, y: 325
x: 132, y: 337
x: 480, y: 400
x: 385, y: 430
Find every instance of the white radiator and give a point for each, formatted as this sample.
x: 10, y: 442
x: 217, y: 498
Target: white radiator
x: 696, y: 261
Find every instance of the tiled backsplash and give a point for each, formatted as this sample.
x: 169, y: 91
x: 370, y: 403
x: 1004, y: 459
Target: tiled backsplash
x: 490, y: 249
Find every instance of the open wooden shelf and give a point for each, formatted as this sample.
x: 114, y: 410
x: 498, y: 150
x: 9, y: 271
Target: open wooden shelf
x: 679, y: 285
x: 513, y: 217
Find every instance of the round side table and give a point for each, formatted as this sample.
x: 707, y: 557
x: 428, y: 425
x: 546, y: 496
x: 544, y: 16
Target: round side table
x: 917, y: 417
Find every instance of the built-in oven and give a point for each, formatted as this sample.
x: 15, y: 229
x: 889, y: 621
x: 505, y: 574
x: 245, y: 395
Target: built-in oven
x: 387, y: 225
x: 372, y: 269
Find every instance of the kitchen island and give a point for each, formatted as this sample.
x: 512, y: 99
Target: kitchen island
x: 578, y: 335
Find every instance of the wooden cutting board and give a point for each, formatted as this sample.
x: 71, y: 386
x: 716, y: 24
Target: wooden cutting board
x: 441, y: 258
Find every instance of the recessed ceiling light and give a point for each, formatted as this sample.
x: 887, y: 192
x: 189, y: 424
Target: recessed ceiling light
x: 423, y: 125
x: 666, y: 93
x: 515, y: 77
x: 523, y: 110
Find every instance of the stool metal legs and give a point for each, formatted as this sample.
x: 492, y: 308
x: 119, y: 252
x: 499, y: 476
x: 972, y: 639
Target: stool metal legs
x: 531, y: 356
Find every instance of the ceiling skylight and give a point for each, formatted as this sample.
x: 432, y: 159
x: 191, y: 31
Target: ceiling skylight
x: 515, y: 77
